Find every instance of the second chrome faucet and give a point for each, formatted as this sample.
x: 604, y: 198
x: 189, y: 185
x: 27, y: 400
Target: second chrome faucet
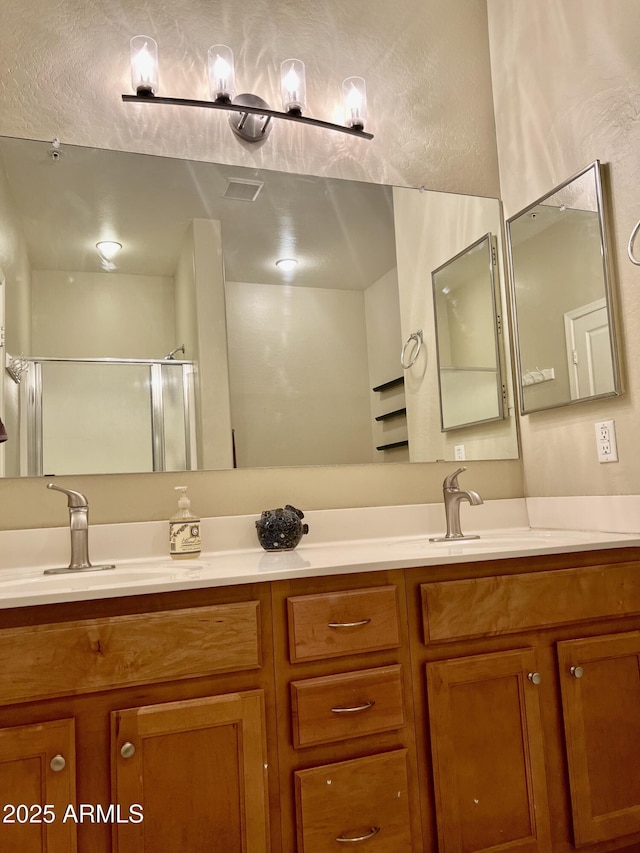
x: 453, y: 497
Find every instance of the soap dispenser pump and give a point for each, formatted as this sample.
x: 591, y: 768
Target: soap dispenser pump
x: 184, y: 529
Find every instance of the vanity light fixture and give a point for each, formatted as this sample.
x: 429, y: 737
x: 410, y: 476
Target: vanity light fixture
x: 251, y: 116
x: 287, y: 264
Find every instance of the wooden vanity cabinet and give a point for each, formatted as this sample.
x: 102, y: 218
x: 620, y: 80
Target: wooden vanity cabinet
x: 172, y: 703
x: 37, y: 782
x: 600, y: 683
x: 197, y: 770
x: 348, y: 765
x: 488, y: 753
x: 534, y: 735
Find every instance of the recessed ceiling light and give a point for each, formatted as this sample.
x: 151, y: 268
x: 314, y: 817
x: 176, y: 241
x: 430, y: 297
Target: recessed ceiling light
x: 108, y: 249
x: 287, y: 264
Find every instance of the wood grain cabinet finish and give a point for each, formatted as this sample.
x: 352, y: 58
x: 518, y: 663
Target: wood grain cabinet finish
x: 507, y: 604
x: 350, y: 622
x: 488, y: 754
x: 601, y: 708
x: 352, y: 704
x: 199, y: 770
x: 101, y: 654
x: 37, y: 768
x: 358, y: 804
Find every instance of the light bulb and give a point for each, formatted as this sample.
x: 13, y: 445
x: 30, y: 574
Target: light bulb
x: 144, y: 65
x: 108, y: 249
x: 221, y: 73
x: 287, y: 264
x: 293, y: 86
x: 355, y: 102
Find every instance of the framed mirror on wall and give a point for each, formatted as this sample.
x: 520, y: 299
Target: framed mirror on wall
x: 269, y: 366
x: 565, y: 337
x: 468, y: 325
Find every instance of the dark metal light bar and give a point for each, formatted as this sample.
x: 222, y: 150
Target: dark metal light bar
x: 240, y: 108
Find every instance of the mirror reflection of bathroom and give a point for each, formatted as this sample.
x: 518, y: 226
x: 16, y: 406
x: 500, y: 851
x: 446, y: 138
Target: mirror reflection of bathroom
x: 269, y: 367
x: 467, y: 321
x: 563, y: 296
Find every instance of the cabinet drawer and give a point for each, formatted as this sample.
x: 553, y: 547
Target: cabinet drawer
x: 99, y: 654
x: 366, y: 798
x: 338, y: 707
x: 343, y: 623
x: 480, y: 607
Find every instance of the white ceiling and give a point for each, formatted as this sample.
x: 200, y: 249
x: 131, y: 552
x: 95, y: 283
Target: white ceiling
x: 341, y: 231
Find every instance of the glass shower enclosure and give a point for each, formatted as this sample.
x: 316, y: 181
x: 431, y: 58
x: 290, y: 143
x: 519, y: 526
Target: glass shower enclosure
x: 107, y: 416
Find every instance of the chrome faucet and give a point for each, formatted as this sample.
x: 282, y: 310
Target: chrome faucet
x: 79, y: 526
x: 453, y: 497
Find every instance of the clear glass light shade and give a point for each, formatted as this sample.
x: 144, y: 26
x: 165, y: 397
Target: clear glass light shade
x: 354, y: 92
x: 222, y: 81
x: 293, y: 86
x: 144, y: 65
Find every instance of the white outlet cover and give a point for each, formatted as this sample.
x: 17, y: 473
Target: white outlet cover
x: 606, y: 443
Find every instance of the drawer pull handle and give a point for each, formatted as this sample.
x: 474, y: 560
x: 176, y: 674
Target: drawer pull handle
x: 534, y: 677
x: 349, y: 624
x: 577, y: 671
x: 127, y: 750
x: 353, y: 710
x: 57, y: 763
x: 344, y: 840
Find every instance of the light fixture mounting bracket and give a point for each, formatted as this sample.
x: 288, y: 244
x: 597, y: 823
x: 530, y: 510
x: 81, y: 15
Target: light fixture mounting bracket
x: 252, y: 127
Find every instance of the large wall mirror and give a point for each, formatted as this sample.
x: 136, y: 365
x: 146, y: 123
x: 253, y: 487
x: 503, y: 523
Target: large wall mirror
x: 562, y: 293
x: 191, y: 348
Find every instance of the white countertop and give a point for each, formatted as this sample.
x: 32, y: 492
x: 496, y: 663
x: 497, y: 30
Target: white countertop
x: 27, y: 586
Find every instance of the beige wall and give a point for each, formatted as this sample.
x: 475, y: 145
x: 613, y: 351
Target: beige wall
x: 426, y: 63
x: 429, y: 80
x: 566, y: 77
x: 14, y: 262
x: 420, y: 249
x: 101, y: 315
x: 298, y: 371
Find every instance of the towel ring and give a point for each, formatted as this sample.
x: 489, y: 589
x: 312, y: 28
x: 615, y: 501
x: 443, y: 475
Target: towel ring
x: 632, y: 257
x: 417, y: 337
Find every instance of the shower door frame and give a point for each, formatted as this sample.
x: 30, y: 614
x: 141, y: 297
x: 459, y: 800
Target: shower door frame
x: 31, y: 437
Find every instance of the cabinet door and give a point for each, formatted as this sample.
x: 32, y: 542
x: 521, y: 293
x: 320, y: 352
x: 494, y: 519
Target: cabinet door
x: 37, y: 769
x: 198, y: 770
x: 600, y: 682
x: 487, y: 750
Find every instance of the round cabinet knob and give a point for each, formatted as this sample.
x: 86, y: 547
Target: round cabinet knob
x: 534, y: 677
x: 127, y: 750
x: 57, y: 763
x: 577, y: 671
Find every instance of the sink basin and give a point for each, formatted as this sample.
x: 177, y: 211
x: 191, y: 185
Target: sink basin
x: 522, y: 541
x: 36, y: 583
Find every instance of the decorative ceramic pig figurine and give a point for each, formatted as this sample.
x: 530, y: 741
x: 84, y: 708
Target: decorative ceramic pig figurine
x: 281, y: 529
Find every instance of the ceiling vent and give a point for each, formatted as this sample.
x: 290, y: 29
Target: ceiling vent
x: 242, y: 190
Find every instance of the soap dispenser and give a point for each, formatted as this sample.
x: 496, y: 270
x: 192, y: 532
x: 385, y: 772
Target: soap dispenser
x: 184, y: 529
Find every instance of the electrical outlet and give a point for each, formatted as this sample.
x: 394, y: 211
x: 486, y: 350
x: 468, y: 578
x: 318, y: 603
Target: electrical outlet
x: 458, y: 452
x: 606, y: 441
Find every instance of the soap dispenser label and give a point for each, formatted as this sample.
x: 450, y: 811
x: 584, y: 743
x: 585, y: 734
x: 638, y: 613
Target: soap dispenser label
x: 184, y: 537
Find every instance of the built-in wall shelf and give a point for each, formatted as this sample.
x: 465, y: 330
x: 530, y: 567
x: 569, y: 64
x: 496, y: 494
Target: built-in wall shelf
x: 392, y: 383
x: 388, y: 415
x: 393, y: 445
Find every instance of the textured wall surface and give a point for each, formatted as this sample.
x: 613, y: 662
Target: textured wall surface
x: 566, y: 77
x: 65, y: 64
x: 63, y: 67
